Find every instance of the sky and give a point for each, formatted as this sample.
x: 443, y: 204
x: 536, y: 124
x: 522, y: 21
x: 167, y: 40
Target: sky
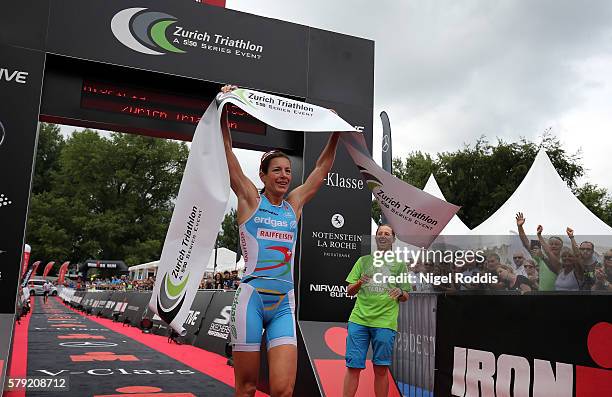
x: 449, y: 72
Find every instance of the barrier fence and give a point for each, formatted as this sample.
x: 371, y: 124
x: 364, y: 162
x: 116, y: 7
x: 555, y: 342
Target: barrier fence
x: 415, y: 345
x: 453, y: 344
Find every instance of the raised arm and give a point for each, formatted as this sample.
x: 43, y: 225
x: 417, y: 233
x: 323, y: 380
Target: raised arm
x: 240, y: 183
x: 551, y: 259
x: 520, y: 221
x: 242, y: 186
x: 302, y: 194
x: 570, y: 234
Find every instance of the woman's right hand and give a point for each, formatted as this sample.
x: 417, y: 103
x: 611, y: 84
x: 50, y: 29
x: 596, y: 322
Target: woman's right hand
x: 228, y: 88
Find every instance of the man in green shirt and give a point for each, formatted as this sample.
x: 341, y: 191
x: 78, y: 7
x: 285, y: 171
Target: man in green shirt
x: 379, y: 285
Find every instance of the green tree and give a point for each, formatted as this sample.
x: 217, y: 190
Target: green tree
x: 598, y: 200
x: 228, y: 238
x: 481, y: 177
x: 49, y: 147
x: 110, y: 198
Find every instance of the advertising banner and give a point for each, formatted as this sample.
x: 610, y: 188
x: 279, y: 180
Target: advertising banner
x: 20, y: 88
x: 417, y: 217
x: 62, y: 273
x: 215, y: 327
x: 136, y: 307
x: 48, y: 268
x: 111, y: 303
x: 26, y: 256
x: 185, y: 39
x: 531, y: 345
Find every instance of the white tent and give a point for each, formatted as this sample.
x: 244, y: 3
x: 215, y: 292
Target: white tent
x: 545, y: 199
x: 455, y: 227
x: 226, y: 260
x: 144, y: 270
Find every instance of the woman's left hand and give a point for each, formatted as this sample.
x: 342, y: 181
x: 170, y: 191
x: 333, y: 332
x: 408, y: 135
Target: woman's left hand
x: 395, y: 293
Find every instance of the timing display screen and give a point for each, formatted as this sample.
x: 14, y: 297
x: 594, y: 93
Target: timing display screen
x: 150, y: 104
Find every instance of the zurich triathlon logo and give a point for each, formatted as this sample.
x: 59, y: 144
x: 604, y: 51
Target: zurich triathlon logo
x: 171, y: 298
x: 144, y: 31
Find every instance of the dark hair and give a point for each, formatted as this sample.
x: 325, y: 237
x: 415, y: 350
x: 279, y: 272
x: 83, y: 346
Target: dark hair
x: 387, y: 225
x: 267, y: 157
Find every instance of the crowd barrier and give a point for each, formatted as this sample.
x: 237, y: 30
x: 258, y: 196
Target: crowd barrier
x: 415, y: 344
x: 444, y: 341
x: 537, y: 344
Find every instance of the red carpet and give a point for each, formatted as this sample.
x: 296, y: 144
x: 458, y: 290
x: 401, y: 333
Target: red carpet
x: 57, y: 341
x: 19, y: 358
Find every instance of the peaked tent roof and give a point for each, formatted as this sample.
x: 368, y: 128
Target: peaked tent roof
x: 545, y: 199
x: 226, y: 260
x: 455, y: 227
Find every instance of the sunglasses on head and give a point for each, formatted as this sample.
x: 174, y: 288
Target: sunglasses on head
x: 267, y: 154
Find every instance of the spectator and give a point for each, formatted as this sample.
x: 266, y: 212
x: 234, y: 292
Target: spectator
x: 218, y: 284
x: 603, y: 275
x: 210, y: 284
x: 374, y: 317
x: 586, y: 255
x: 440, y: 270
x: 547, y: 277
x: 235, y: 279
x: 427, y: 269
x: 532, y: 273
x: 512, y: 281
x: 491, y: 265
x: 569, y: 270
x: 228, y: 283
x: 470, y: 269
x: 519, y: 261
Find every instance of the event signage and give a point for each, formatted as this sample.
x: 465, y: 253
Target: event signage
x: 20, y: 82
x: 182, y: 38
x: 416, y: 216
x: 15, y: 76
x: 334, y: 179
x: 494, y: 346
